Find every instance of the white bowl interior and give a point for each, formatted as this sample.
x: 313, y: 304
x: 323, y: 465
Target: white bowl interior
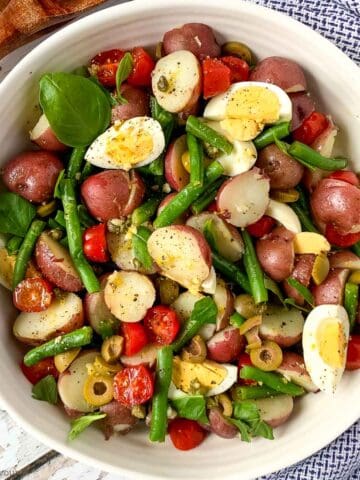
x: 333, y: 78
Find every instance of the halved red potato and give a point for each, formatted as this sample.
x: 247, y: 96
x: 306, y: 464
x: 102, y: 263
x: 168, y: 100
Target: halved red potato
x: 275, y: 253
x: 276, y: 410
x: 112, y: 193
x: 176, y: 81
x: 331, y: 290
x: 280, y: 71
x: 119, y: 419
x: 146, y: 356
x: 224, y: 300
x: 129, y: 295
x: 64, y: 315
x: 324, y: 143
x: 227, y: 238
x: 281, y: 325
x: 226, y: 345
x: 302, y: 273
x: 220, y: 425
x: 96, y: 310
x: 71, y: 383
x: 182, y: 254
x: 137, y: 104
x: 43, y: 135
x: 175, y: 173
x: 56, y: 265
x: 243, y: 199
x: 344, y: 259
x: 293, y: 368
x: 302, y: 107
x: 7, y: 265
x: 165, y: 201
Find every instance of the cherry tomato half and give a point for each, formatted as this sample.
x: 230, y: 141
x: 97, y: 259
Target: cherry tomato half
x: 186, y: 434
x: 216, y: 77
x: 353, y: 353
x: 261, y: 227
x: 135, y: 338
x: 33, y: 295
x: 133, y: 386
x: 95, y: 244
x: 142, y: 68
x: 340, y: 240
x: 162, y: 324
x: 105, y: 65
x: 40, y: 370
x: 345, y: 176
x: 239, y: 69
x: 311, y: 128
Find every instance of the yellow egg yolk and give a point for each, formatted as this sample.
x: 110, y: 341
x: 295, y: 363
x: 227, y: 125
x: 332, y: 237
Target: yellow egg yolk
x: 130, y: 146
x: 254, y: 103
x: 331, y: 342
x: 242, y: 130
x: 197, y: 377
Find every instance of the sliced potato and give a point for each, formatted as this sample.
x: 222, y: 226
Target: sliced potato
x: 226, y: 345
x: 293, y: 368
x: 344, y: 259
x: 64, y: 360
x: 275, y: 411
x: 146, y: 356
x: 64, y: 315
x: 224, y: 300
x: 129, y: 295
x: 285, y: 215
x: 7, y: 264
x: 282, y: 326
x: 209, y: 284
x: 309, y: 242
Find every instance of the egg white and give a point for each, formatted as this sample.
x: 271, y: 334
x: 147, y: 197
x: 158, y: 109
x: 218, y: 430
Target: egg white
x: 135, y: 127
x: 326, y: 377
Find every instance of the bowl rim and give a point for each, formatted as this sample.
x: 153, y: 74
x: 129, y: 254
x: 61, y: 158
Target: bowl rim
x: 97, y: 19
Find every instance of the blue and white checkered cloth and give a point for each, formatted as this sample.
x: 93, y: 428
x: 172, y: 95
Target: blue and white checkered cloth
x: 339, y: 22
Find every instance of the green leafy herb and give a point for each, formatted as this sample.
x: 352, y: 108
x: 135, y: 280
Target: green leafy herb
x: 82, y: 71
x: 273, y: 288
x: 123, y: 71
x: 107, y: 328
x: 139, y: 245
x: 57, y: 189
x: 246, y: 411
x: 351, y: 302
x: 209, y: 234
x: 304, y: 292
x: 166, y: 119
x: 111, y: 98
x: 16, y: 214
x: 292, y: 303
x: 46, y: 390
x: 80, y: 424
x: 283, y: 146
x: 243, y: 429
x: 248, y: 421
x: 77, y: 109
x: 13, y: 245
x: 191, y: 407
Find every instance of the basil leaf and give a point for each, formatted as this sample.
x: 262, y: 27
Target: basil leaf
x: 77, y: 109
x: 246, y: 411
x: 262, y: 429
x: 112, y: 100
x: 243, y: 429
x: 16, y: 214
x: 292, y: 303
x: 80, y: 424
x: 304, y: 292
x: 13, y: 245
x: 123, y: 71
x: 82, y: 71
x: 57, y: 189
x: 107, y: 328
x: 273, y: 288
x: 283, y: 146
x: 46, y: 390
x: 191, y: 407
x: 139, y: 245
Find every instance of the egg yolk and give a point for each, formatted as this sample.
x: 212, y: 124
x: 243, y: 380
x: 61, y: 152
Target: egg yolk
x: 242, y: 130
x: 332, y: 343
x: 254, y: 103
x: 130, y: 146
x: 197, y: 377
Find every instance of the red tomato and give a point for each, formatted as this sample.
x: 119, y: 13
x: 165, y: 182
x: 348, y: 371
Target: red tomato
x: 311, y: 128
x: 33, y: 295
x: 94, y: 243
x: 216, y: 77
x: 261, y: 227
x: 244, y: 359
x: 340, y: 240
x: 143, y: 66
x: 345, y: 176
x: 40, y: 370
x: 353, y: 353
x: 239, y: 69
x: 135, y: 338
x: 106, y: 64
x: 133, y: 386
x: 186, y: 434
x: 162, y: 324
x: 212, y: 207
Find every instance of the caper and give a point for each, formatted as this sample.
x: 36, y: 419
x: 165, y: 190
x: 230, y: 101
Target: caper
x: 240, y: 50
x: 46, y: 209
x: 112, y: 348
x: 268, y: 357
x: 196, y: 351
x: 163, y: 84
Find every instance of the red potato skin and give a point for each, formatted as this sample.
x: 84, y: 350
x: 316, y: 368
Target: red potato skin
x: 48, y: 141
x: 226, y: 345
x: 337, y: 202
x: 302, y: 273
x: 33, y: 175
x: 311, y: 178
x: 175, y: 173
x: 283, y: 171
x: 198, y: 38
x: 331, y: 290
x: 280, y: 71
x: 278, y: 421
x: 137, y: 106
x: 293, y: 362
x: 180, y: 220
x: 203, y: 245
x: 51, y: 266
x: 112, y: 194
x: 220, y: 425
x: 96, y: 309
x: 275, y: 253
x: 116, y: 414
x: 344, y: 259
x: 302, y: 107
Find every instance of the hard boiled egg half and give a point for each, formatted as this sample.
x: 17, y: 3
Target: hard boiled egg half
x: 133, y: 143
x: 325, y: 340
x: 246, y: 107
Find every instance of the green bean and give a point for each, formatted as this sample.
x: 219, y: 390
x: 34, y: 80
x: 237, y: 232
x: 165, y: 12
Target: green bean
x: 204, y: 311
x: 166, y: 119
x: 272, y: 380
x: 207, y: 197
x: 209, y: 234
x: 139, y: 245
x: 74, y: 236
x: 254, y: 271
x: 268, y: 136
x: 65, y: 242
x: 86, y: 171
x: 60, y: 218
x: 310, y: 158
x: 85, y: 219
x: 207, y: 134
x: 13, y: 244
x: 231, y: 271
x: 53, y: 224
x: 196, y: 153
x: 77, y: 338
x: 253, y: 392
x: 25, y: 251
x: 158, y: 425
x: 145, y: 211
x: 351, y: 302
x: 75, y: 162
x: 236, y: 320
x: 304, y: 218
x: 182, y: 201
x: 356, y: 249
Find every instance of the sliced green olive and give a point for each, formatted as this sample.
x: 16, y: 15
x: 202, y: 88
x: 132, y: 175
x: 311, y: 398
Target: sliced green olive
x: 46, y: 209
x: 246, y: 306
x: 112, y: 348
x: 250, y: 323
x: 195, y: 352
x: 240, y: 50
x: 268, y: 357
x: 98, y: 390
x: 168, y: 290
x: 225, y: 403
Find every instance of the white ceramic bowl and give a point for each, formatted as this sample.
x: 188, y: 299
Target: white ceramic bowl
x: 334, y: 79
